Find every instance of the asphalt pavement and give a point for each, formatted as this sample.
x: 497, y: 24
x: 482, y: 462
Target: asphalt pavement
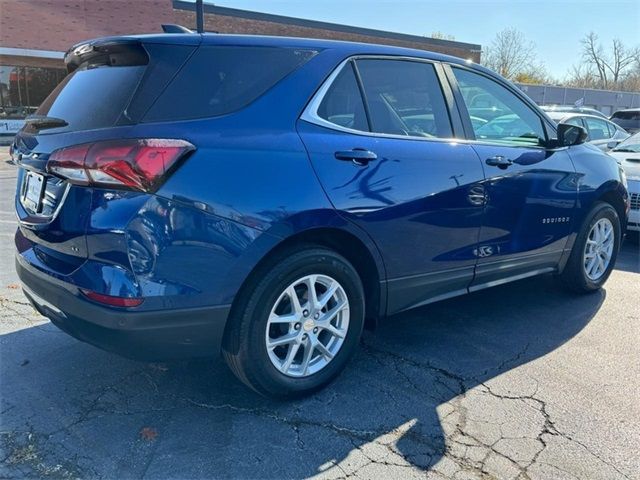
x: 520, y: 381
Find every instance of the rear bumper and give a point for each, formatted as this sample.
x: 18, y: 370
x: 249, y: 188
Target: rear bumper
x: 144, y: 335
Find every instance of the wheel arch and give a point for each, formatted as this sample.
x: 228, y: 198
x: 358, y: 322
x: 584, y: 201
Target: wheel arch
x: 614, y: 198
x: 356, y: 250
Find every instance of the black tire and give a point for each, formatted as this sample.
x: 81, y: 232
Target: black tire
x: 574, y: 275
x: 244, y: 347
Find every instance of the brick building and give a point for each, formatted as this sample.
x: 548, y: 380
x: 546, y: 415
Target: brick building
x: 34, y: 34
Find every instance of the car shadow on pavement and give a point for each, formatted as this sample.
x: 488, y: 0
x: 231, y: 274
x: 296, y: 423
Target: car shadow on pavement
x: 629, y: 256
x: 69, y: 409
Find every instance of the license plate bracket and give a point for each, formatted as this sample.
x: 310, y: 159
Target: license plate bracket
x: 32, y: 191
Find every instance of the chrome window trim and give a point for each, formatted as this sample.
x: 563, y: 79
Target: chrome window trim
x: 310, y: 113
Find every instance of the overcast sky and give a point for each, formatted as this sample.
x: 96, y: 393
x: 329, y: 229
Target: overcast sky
x: 556, y: 27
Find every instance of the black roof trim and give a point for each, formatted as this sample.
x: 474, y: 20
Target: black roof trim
x: 301, y: 22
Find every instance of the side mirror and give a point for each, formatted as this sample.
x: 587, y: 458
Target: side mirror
x: 569, y: 135
x: 612, y: 144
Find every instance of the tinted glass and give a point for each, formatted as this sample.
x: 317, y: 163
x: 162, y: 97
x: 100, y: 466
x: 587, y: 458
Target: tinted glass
x: 342, y: 104
x: 222, y: 79
x: 498, y: 115
x: 404, y: 98
x: 92, y: 98
x: 598, y: 129
x: 629, y: 115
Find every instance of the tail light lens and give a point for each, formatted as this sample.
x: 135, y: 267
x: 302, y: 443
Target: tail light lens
x: 136, y: 164
x: 112, y: 301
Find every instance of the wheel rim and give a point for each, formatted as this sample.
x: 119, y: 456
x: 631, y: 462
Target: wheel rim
x: 307, y: 325
x: 599, y: 249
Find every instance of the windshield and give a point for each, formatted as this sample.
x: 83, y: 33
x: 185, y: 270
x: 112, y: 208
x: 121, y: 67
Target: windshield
x: 631, y: 144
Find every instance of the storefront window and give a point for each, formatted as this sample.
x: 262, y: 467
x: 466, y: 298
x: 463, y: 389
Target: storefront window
x: 23, y: 89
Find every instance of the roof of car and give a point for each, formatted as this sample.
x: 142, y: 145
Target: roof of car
x: 349, y: 48
x: 560, y: 116
x: 572, y: 109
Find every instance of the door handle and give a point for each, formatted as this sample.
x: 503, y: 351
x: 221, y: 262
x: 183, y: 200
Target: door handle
x: 499, y: 161
x: 359, y: 156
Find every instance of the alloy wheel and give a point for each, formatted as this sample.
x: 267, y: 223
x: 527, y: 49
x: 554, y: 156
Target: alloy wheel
x: 599, y: 249
x: 307, y: 325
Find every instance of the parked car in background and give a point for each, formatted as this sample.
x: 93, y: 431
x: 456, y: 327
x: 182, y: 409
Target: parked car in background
x: 628, y: 119
x: 627, y: 153
x: 600, y: 132
x: 181, y: 195
x: 573, y: 109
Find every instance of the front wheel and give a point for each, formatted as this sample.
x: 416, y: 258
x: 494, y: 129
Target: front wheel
x: 296, y: 324
x: 595, y: 250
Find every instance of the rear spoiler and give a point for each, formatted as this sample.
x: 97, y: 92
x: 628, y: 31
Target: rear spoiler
x: 106, y: 51
x: 122, y: 51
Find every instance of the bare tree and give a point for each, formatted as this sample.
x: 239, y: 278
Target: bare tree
x: 582, y: 76
x: 441, y: 36
x: 510, y: 54
x: 631, y: 81
x: 611, y: 67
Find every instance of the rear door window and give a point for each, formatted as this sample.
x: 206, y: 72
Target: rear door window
x: 598, y: 129
x: 404, y: 98
x: 222, y: 79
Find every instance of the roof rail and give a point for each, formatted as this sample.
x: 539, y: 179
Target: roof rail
x: 172, y: 28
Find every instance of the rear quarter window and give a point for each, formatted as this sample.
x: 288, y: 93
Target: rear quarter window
x: 222, y: 79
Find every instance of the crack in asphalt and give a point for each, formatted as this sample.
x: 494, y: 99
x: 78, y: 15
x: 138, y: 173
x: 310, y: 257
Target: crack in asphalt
x: 33, y: 318
x: 549, y: 428
x: 26, y: 452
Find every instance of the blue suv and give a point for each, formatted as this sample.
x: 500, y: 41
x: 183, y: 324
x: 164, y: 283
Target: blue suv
x: 185, y: 195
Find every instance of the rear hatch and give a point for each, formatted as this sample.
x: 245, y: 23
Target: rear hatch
x: 110, y: 84
x: 627, y: 119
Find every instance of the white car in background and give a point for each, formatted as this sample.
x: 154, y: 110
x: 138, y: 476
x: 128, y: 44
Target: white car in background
x: 627, y: 153
x: 600, y: 132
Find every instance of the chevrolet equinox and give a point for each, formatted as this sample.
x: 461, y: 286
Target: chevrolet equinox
x: 183, y: 195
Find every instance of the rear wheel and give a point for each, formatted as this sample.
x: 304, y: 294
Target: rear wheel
x: 297, y: 323
x: 595, y: 250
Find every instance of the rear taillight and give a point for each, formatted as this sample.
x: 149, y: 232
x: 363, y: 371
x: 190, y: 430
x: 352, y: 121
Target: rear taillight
x: 137, y: 164
x: 111, y: 300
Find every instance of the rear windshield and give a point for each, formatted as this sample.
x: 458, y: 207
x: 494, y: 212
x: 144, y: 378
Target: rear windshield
x: 630, y: 115
x: 91, y: 98
x: 222, y: 79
